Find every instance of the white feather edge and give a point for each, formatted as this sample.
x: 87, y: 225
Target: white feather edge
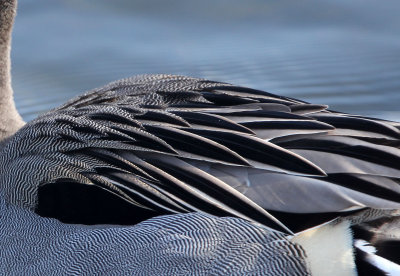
x: 389, y: 267
x: 328, y: 249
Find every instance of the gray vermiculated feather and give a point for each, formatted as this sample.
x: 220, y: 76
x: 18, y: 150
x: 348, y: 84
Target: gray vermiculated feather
x: 113, y: 141
x: 195, y: 244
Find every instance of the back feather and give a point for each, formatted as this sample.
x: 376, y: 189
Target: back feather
x: 162, y: 144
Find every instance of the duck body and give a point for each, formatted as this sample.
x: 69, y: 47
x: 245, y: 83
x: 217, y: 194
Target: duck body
x: 165, y: 175
x: 170, y: 144
x: 183, y: 244
x: 162, y: 145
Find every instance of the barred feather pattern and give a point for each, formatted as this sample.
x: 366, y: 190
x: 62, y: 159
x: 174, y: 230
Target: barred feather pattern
x: 184, y: 244
x: 160, y: 144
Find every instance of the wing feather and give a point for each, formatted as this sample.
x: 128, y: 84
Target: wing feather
x: 152, y: 145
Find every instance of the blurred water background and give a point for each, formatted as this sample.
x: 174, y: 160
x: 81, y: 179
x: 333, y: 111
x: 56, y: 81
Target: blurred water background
x: 342, y: 53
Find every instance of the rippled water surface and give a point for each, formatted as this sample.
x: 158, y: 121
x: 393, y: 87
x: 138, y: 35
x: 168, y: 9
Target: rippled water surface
x: 342, y: 53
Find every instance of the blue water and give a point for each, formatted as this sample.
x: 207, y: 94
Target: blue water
x: 342, y: 53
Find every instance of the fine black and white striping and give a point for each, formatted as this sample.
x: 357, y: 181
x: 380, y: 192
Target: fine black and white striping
x: 185, y: 244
